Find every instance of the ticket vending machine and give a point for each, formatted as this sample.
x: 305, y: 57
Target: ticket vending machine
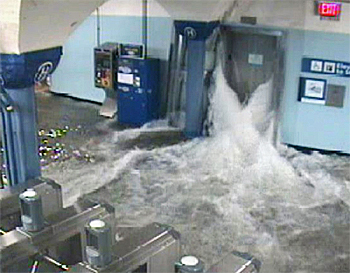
x: 137, y: 90
x: 105, y: 63
x: 105, y: 57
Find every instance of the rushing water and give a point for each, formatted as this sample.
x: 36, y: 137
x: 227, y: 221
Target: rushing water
x: 232, y: 190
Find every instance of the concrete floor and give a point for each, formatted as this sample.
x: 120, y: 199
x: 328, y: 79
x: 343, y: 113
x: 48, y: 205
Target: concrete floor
x: 107, y: 164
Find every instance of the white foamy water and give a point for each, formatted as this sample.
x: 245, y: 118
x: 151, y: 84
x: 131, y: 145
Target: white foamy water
x: 232, y: 190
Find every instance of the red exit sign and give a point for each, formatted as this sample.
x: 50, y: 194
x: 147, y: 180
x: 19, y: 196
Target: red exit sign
x: 328, y: 9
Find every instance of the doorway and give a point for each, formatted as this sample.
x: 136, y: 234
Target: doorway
x: 254, y: 56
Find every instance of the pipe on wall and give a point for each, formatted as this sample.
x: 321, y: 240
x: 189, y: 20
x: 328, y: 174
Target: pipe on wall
x: 144, y: 25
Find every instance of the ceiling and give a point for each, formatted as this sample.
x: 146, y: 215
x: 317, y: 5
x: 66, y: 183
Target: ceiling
x: 28, y: 25
x: 201, y: 10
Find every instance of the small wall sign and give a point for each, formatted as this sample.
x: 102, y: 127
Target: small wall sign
x: 335, y: 95
x: 335, y: 68
x: 316, y: 66
x: 255, y: 59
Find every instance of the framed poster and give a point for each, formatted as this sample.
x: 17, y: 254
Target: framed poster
x: 312, y: 90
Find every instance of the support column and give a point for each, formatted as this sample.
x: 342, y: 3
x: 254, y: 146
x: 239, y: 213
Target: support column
x: 195, y: 88
x: 195, y: 34
x: 20, y: 135
x: 18, y: 73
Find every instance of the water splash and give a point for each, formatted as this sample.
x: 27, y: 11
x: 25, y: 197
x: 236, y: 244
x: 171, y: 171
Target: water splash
x: 232, y: 190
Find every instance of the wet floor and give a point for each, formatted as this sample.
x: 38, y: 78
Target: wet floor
x: 289, y: 209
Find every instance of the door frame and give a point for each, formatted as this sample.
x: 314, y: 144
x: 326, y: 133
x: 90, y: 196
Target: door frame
x: 279, y: 78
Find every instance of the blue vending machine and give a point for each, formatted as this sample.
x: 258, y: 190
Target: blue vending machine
x: 137, y: 90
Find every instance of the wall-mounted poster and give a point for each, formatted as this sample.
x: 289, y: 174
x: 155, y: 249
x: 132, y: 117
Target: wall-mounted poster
x: 312, y: 90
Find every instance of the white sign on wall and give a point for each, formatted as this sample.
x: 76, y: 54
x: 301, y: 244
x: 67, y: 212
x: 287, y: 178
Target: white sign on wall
x: 255, y: 59
x: 329, y: 67
x: 314, y: 89
x: 316, y: 66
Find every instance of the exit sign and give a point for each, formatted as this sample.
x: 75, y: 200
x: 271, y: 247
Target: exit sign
x: 329, y: 9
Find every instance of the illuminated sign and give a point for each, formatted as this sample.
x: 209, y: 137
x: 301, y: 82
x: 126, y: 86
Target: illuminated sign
x: 328, y: 9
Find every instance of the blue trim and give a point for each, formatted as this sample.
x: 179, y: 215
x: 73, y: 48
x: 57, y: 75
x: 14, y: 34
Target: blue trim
x: 202, y: 29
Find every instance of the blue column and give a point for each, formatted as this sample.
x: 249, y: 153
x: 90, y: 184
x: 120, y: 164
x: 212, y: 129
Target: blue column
x: 20, y: 136
x: 195, y: 88
x: 18, y: 74
x: 195, y: 34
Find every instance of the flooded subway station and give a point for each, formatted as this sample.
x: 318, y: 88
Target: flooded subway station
x: 247, y: 154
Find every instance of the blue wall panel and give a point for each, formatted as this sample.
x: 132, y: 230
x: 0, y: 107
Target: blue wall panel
x: 75, y: 72
x: 310, y: 125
